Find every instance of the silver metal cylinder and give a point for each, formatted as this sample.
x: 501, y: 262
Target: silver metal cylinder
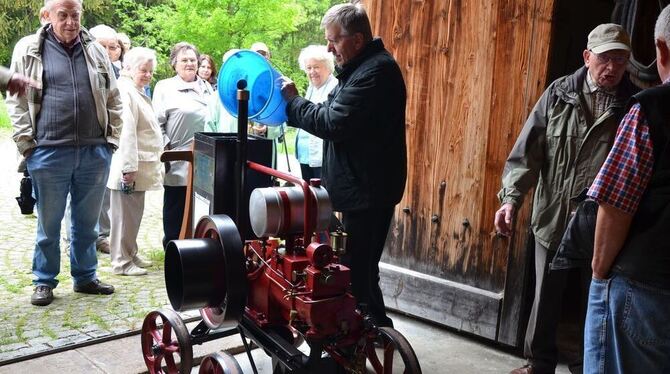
x: 276, y: 211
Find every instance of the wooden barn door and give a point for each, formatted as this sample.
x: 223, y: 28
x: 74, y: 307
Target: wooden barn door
x: 473, y: 70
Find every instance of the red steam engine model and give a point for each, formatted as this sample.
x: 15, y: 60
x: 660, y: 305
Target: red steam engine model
x: 279, y: 287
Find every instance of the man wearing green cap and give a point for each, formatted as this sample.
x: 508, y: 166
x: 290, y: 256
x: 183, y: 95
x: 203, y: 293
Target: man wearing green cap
x: 562, y: 145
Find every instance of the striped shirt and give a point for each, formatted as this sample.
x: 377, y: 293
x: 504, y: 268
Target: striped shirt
x: 624, y: 176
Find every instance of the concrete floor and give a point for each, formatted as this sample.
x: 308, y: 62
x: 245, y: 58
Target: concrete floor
x: 439, y: 350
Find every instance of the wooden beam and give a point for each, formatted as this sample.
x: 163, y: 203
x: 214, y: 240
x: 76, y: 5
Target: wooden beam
x: 465, y: 308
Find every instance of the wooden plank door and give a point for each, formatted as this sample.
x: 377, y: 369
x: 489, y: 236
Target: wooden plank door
x: 473, y: 70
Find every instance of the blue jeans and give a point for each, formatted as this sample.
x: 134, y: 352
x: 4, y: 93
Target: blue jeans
x: 627, y: 328
x: 56, y: 171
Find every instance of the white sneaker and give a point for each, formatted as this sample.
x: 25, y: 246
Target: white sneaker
x: 139, y: 261
x: 133, y: 270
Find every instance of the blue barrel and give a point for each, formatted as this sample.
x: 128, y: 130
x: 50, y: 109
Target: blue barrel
x: 266, y: 104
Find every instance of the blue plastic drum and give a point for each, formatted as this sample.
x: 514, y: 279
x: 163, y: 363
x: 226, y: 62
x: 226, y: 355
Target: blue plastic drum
x: 266, y: 104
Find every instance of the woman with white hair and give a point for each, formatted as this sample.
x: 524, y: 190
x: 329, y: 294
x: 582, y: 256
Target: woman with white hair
x: 318, y: 64
x: 108, y: 38
x: 136, y: 165
x: 181, y: 105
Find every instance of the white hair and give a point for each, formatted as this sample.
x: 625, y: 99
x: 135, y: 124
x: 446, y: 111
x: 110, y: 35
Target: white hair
x: 316, y: 52
x: 103, y: 32
x: 662, y: 29
x: 123, y: 38
x: 138, y: 56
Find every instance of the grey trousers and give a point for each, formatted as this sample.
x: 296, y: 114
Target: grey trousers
x: 540, y: 344
x: 127, y: 211
x: 104, y: 224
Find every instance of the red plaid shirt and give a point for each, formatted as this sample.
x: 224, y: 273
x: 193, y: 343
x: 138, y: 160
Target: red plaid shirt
x: 624, y: 176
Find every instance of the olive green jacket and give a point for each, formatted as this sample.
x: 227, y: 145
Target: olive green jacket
x: 559, y: 152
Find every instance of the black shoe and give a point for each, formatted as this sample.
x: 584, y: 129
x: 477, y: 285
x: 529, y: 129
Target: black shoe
x: 95, y: 287
x: 42, y: 296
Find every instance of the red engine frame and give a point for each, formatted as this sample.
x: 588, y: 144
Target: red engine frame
x: 301, y: 285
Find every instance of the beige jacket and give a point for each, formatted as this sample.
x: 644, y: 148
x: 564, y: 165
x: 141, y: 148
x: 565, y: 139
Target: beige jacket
x: 181, y: 110
x: 27, y: 60
x: 141, y: 141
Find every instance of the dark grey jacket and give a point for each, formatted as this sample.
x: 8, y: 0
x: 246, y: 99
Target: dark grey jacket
x: 363, y: 127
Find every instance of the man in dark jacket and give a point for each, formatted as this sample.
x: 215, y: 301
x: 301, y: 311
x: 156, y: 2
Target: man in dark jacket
x: 560, y: 149
x: 363, y: 127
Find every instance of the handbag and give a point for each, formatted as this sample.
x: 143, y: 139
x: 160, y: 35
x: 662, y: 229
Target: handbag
x: 576, y: 247
x: 25, y: 198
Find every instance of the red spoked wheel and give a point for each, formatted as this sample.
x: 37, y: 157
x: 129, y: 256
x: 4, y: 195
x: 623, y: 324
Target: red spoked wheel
x: 164, y: 336
x: 387, y: 351
x: 219, y: 363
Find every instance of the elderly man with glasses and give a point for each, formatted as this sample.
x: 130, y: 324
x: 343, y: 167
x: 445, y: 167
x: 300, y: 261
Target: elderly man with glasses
x: 562, y: 145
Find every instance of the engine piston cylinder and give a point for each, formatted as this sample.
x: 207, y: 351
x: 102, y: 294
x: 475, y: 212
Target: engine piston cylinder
x: 193, y: 273
x: 278, y: 211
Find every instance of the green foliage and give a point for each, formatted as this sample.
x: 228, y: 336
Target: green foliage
x: 4, y: 118
x: 19, y: 18
x: 307, y: 33
x: 214, y: 26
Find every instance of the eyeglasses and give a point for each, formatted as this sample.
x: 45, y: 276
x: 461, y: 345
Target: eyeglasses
x: 615, y: 59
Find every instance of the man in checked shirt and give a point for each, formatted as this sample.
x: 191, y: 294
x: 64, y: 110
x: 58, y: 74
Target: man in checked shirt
x: 628, y: 319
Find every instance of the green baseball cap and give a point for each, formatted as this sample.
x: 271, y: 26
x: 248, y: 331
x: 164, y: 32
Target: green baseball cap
x: 607, y: 37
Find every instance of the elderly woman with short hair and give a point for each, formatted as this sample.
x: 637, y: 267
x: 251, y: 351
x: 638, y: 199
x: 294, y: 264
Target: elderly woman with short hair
x: 318, y: 64
x: 107, y: 37
x: 136, y: 165
x: 180, y: 103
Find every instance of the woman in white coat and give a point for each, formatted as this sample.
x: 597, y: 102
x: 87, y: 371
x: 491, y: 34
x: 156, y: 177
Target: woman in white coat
x: 318, y: 64
x: 136, y: 165
x: 181, y: 104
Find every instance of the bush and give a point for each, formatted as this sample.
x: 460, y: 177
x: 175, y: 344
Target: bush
x: 4, y: 118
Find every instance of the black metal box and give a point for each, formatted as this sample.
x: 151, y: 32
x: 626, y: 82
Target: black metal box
x: 214, y: 158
